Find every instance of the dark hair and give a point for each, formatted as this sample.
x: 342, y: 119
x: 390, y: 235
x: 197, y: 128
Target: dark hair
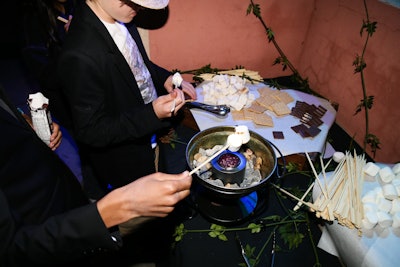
x: 44, y: 13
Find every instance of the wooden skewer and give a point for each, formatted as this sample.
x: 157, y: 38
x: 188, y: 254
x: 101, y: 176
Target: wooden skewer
x: 308, y: 204
x: 62, y: 19
x: 316, y: 175
x: 302, y: 198
x: 209, y: 159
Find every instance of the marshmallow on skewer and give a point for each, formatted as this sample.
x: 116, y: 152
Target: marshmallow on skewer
x: 177, y: 83
x: 243, y: 131
x: 235, y: 142
x: 237, y: 139
x: 177, y: 80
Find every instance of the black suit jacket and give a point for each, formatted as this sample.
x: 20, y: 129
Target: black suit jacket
x: 45, y: 219
x: 112, y: 125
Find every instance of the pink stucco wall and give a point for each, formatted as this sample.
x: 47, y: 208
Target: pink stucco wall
x: 321, y: 38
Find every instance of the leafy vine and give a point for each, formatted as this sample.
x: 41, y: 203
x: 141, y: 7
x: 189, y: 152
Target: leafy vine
x: 369, y: 27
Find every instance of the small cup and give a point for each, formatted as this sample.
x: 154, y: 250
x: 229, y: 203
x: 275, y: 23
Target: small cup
x: 229, y: 167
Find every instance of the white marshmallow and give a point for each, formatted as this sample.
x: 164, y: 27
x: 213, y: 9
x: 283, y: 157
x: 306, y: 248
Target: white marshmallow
x: 395, y: 206
x: 371, y: 170
x: 389, y: 191
x: 384, y: 219
x: 235, y: 142
x: 243, y: 131
x: 338, y: 156
x: 396, y: 220
x: 370, y: 220
x: 369, y: 197
x: 386, y: 174
x: 396, y: 183
x: 370, y: 207
x: 177, y: 79
x: 384, y: 204
x: 396, y: 168
x: 378, y: 191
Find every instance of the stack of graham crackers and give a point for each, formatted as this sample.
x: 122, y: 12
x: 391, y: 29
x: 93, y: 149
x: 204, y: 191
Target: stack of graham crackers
x: 269, y: 99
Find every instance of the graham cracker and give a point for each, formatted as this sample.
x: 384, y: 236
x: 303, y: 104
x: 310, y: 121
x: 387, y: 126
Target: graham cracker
x: 280, y: 108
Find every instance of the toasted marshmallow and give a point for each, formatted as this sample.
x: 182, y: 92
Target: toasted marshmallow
x: 244, y: 133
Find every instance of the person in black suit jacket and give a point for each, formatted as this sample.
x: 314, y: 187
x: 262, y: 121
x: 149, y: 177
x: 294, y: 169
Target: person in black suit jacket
x: 42, y: 37
x: 114, y: 109
x: 46, y: 219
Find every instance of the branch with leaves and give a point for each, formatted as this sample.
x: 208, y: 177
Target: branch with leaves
x: 282, y: 59
x: 367, y: 102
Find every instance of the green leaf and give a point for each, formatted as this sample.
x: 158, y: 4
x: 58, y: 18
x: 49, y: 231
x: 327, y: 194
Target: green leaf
x: 292, y: 167
x: 249, y: 8
x: 255, y: 228
x: 270, y: 34
x: 257, y: 10
x: 290, y: 235
x: 222, y: 237
x: 212, y: 234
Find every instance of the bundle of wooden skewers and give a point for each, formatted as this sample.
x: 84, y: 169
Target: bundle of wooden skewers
x: 339, y: 195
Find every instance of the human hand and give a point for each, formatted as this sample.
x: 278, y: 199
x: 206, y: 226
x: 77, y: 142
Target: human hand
x: 154, y: 195
x: 167, y: 106
x: 186, y: 87
x: 56, y: 137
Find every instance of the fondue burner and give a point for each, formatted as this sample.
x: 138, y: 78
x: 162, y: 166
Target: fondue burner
x: 229, y: 167
x: 229, y: 212
x: 230, y: 204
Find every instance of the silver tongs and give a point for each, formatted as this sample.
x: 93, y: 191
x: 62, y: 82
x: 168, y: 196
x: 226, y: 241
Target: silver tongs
x: 218, y: 110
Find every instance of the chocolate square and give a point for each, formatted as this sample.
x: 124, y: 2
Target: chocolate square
x: 278, y: 135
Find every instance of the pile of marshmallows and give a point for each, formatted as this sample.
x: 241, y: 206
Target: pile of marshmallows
x: 228, y: 90
x: 382, y: 204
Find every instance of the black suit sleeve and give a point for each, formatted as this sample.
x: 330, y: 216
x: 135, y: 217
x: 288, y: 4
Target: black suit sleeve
x: 59, y: 239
